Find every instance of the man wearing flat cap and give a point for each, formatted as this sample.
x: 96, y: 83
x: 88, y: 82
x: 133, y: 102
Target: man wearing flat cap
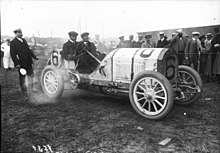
x: 163, y: 42
x: 148, y: 42
x: 122, y: 42
x: 69, y: 50
x: 22, y: 57
x: 192, y: 50
x: 178, y: 43
x: 87, y: 63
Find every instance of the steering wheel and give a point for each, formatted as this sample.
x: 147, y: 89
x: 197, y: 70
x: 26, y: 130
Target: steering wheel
x: 81, y: 50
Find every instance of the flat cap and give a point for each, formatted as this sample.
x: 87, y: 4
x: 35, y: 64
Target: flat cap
x: 121, y: 37
x: 17, y: 31
x: 179, y: 31
x: 84, y: 34
x: 73, y: 33
x: 148, y: 36
x: 209, y: 34
x: 161, y: 33
x: 195, y: 33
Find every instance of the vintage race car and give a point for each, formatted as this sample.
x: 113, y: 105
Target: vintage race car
x: 151, y: 77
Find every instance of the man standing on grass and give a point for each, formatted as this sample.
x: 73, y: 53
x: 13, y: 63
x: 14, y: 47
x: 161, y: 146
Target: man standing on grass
x: 22, y: 58
x: 192, y: 50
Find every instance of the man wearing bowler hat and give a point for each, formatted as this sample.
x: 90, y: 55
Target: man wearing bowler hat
x: 22, y: 57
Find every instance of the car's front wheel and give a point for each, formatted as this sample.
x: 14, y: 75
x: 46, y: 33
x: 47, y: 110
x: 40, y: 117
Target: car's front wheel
x: 52, y: 82
x: 151, y: 95
x: 189, y: 84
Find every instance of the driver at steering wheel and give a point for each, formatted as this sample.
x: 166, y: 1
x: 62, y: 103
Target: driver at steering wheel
x: 86, y: 61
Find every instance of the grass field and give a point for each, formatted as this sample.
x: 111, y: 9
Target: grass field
x: 86, y: 122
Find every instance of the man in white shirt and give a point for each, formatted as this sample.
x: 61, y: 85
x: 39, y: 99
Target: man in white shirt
x: 7, y: 61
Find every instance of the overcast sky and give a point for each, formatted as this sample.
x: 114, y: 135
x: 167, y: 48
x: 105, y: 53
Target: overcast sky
x: 107, y: 18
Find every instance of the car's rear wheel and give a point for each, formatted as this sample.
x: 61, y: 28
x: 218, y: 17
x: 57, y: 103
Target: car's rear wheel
x: 151, y: 95
x: 190, y: 85
x: 52, y: 82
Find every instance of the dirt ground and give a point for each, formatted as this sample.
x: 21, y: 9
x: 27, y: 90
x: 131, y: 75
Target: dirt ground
x: 87, y: 122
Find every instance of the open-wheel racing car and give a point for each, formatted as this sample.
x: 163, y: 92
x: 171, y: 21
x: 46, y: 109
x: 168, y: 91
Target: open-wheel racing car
x: 151, y: 77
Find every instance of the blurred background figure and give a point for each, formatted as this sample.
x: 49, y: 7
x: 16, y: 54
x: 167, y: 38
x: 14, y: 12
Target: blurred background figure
x: 121, y: 43
x: 173, y: 35
x: 7, y: 61
x: 208, y: 40
x: 178, y: 43
x: 163, y: 42
x: 216, y: 51
x: 203, y: 56
x: 148, y: 42
x: 186, y: 37
x: 131, y: 43
x: 140, y: 41
x: 192, y: 50
x: 100, y: 46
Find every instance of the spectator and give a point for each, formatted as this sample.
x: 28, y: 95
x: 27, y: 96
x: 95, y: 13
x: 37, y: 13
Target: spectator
x: 140, y: 41
x: 192, y: 50
x: 216, y: 51
x: 131, y: 43
x: 208, y: 41
x: 7, y: 61
x: 148, y: 42
x: 22, y: 58
x: 173, y: 35
x: 203, y: 55
x: 163, y: 42
x: 178, y: 43
x: 121, y: 43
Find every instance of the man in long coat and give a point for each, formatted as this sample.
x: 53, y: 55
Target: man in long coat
x: 178, y: 43
x: 22, y: 58
x: 192, y: 50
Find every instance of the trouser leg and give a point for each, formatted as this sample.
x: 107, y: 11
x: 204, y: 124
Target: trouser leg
x: 181, y: 57
x: 195, y: 61
x: 30, y: 76
x: 22, y: 82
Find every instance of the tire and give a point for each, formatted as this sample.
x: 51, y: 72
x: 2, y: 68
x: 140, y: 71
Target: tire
x: 57, y: 82
x: 161, y: 93
x: 192, y: 98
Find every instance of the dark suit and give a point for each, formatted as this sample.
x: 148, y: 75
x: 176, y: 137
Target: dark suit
x: 22, y: 55
x: 192, y: 52
x: 162, y: 44
x: 86, y: 62
x: 178, y: 44
x: 69, y: 50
